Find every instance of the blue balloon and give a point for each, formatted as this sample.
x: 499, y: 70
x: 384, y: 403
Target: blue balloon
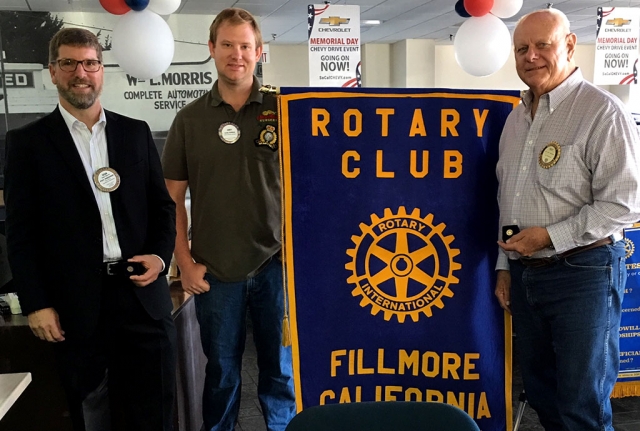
x: 460, y: 10
x: 139, y: 5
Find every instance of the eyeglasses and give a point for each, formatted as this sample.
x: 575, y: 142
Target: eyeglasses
x: 70, y: 65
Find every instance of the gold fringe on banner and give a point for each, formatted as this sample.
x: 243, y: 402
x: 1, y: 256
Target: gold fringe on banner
x: 626, y: 389
x: 286, y: 331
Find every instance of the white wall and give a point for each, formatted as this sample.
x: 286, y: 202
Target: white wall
x: 634, y: 98
x: 374, y: 58
x: 408, y: 63
x: 449, y: 74
x: 412, y: 63
x: 585, y: 59
x: 398, y: 64
x: 289, y: 66
x: 420, y: 69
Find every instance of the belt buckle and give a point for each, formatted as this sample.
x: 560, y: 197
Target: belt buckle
x: 109, y: 266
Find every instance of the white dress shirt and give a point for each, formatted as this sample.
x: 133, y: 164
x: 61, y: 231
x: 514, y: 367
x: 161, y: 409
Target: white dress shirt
x: 92, y: 148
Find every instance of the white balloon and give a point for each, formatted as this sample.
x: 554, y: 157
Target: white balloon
x: 504, y: 8
x: 482, y: 45
x: 166, y: 7
x: 143, y: 44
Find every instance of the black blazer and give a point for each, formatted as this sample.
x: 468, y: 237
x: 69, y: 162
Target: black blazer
x: 53, y: 225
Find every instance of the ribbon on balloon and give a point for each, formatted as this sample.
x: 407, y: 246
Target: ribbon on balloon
x: 483, y: 42
x: 143, y: 43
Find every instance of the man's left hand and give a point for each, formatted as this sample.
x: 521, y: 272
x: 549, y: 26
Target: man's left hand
x: 528, y: 241
x: 153, y: 265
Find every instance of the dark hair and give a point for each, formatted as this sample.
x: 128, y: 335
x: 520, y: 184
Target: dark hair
x: 234, y: 16
x: 73, y: 37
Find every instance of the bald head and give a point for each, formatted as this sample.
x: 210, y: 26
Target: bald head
x: 550, y: 14
x: 544, y: 48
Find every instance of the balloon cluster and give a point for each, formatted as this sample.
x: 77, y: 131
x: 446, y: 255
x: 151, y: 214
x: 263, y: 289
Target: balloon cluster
x: 142, y: 41
x: 482, y: 43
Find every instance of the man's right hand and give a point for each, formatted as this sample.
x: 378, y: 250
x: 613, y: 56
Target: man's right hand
x: 192, y: 279
x: 45, y: 325
x: 503, y: 289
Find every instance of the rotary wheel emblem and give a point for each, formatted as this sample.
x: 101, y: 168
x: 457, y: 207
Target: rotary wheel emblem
x: 402, y: 264
x: 629, y: 248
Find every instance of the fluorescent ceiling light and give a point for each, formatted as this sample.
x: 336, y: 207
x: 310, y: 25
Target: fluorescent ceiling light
x: 370, y: 22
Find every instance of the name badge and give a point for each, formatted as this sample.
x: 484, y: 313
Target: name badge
x: 229, y: 133
x: 549, y: 155
x: 106, y: 179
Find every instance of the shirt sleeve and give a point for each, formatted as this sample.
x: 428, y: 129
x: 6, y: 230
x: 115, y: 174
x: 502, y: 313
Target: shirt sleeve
x: 613, y: 160
x: 503, y: 261
x: 23, y: 237
x: 174, y: 159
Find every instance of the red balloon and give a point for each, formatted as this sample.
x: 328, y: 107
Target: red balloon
x: 478, y: 7
x: 117, y: 7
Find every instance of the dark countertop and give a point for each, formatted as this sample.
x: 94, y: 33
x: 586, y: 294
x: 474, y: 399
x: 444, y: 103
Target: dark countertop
x: 178, y: 298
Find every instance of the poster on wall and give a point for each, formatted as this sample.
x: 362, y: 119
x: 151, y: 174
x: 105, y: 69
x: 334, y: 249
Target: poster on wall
x: 390, y: 224
x: 334, y: 45
x: 617, y: 47
x: 629, y: 375
x: 30, y: 92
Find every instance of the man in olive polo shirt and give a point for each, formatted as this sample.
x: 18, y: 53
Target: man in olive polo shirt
x: 223, y: 147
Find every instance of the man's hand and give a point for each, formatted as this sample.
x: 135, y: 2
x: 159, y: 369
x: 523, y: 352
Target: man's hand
x: 192, y: 278
x: 503, y: 289
x: 153, y: 265
x: 528, y: 241
x: 45, y: 325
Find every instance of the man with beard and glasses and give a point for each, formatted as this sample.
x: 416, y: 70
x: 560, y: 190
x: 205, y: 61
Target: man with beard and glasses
x: 90, y: 227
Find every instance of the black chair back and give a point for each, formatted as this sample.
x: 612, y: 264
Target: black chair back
x: 383, y: 416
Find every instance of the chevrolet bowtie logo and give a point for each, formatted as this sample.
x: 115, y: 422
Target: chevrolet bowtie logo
x: 618, y: 22
x: 335, y: 20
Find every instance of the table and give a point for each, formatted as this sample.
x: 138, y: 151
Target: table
x: 11, y: 387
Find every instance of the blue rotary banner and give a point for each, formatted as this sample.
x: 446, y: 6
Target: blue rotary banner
x: 628, y: 383
x: 390, y: 229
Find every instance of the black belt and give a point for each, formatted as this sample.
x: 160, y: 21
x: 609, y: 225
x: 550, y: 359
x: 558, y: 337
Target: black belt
x: 122, y: 268
x: 544, y: 261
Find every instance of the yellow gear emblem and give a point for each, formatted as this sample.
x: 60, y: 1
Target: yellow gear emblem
x: 629, y: 248
x: 402, y: 264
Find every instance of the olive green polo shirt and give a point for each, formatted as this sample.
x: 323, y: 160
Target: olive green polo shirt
x: 235, y: 187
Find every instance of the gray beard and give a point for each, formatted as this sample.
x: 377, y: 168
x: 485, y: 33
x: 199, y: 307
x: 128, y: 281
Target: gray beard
x: 83, y: 101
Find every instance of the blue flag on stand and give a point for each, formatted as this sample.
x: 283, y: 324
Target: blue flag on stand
x: 390, y: 230
x: 628, y: 383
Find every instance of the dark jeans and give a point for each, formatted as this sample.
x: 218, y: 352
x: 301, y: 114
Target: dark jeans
x: 139, y: 354
x: 221, y: 313
x: 566, y: 318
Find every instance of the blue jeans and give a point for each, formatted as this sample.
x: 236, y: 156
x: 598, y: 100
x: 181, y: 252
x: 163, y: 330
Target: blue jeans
x: 221, y: 313
x: 566, y: 317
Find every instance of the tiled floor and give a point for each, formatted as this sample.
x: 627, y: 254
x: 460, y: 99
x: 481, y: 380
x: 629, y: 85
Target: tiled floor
x: 626, y: 411
x: 250, y: 416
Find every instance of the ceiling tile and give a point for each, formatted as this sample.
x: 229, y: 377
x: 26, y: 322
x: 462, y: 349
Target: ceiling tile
x: 434, y: 19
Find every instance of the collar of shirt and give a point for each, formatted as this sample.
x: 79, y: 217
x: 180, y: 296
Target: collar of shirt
x: 70, y: 120
x: 555, y: 96
x: 255, y: 96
